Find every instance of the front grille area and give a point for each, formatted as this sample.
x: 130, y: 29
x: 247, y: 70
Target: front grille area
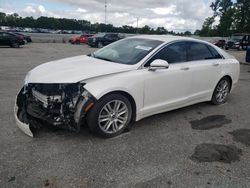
x: 47, y: 89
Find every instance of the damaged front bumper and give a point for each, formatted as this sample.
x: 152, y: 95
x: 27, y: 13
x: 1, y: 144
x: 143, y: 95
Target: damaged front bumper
x: 65, y: 110
x: 23, y: 126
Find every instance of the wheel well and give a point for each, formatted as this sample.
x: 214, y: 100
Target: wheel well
x: 131, y: 100
x: 230, y: 79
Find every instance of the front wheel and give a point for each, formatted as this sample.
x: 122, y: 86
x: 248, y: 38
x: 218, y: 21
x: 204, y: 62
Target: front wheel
x: 221, y: 91
x: 15, y: 45
x: 110, y: 116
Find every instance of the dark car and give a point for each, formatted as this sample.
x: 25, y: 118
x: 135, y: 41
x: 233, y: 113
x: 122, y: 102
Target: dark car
x: 26, y: 37
x: 10, y: 39
x: 103, y: 39
x: 238, y: 41
x: 248, y: 54
x: 220, y: 43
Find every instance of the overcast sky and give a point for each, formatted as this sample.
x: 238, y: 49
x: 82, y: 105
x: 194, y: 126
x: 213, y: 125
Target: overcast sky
x: 177, y: 15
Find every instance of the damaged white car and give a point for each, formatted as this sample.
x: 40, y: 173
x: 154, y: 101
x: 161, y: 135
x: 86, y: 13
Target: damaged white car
x: 123, y: 82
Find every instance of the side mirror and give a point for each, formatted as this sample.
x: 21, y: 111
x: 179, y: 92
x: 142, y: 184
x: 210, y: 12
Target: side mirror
x: 158, y: 64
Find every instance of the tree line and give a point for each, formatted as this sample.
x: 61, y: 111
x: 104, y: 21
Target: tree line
x: 228, y: 17
x: 232, y: 17
x: 14, y: 20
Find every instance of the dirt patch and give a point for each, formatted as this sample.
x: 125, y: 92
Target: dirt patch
x: 210, y: 122
x: 216, y: 153
x: 242, y: 136
x: 13, y: 178
x: 46, y: 183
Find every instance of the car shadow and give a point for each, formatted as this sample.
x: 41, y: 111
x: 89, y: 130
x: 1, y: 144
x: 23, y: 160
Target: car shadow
x: 184, y: 112
x: 145, y: 123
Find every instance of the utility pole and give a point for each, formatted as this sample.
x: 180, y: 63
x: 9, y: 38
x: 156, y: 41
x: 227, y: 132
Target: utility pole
x: 106, y: 15
x: 137, y: 20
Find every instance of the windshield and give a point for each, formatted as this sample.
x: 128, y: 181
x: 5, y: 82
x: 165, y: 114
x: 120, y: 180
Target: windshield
x: 237, y: 37
x: 128, y: 51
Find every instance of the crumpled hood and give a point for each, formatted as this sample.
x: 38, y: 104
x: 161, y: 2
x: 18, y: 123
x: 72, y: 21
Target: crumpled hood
x: 74, y: 69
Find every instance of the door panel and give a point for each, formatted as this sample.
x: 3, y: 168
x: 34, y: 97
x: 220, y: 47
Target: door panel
x: 205, y: 77
x: 205, y: 63
x: 166, y: 89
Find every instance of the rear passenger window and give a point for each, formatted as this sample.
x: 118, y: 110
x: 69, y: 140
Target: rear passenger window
x: 198, y: 51
x: 216, y: 55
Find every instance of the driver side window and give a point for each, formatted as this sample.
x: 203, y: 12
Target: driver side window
x: 173, y: 53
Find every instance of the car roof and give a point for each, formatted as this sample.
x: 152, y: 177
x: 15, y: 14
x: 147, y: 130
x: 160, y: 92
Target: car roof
x: 167, y: 38
x: 171, y: 38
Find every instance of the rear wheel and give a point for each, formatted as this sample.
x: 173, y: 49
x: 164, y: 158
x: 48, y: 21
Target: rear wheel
x: 221, y: 91
x: 110, y: 116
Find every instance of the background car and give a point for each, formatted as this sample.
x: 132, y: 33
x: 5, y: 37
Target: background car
x: 248, y: 54
x: 10, y: 39
x: 80, y: 39
x: 25, y: 37
x: 103, y: 39
x: 238, y: 41
x: 220, y: 43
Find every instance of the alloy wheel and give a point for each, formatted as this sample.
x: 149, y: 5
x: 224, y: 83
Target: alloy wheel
x: 222, y: 91
x: 113, y: 116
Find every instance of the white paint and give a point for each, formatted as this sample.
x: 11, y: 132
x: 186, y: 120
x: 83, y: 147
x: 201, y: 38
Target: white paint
x: 180, y: 85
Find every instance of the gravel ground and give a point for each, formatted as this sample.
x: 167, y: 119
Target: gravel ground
x: 167, y: 150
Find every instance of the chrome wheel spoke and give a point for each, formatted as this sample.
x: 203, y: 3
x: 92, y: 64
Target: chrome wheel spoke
x: 117, y: 105
x: 103, y: 118
x: 107, y: 125
x: 114, y: 126
x: 121, y: 113
x: 121, y: 120
x: 109, y: 108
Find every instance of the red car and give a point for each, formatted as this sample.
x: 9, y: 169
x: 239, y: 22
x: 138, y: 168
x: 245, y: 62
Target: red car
x: 80, y: 39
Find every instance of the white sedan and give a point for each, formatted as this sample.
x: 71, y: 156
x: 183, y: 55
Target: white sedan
x: 123, y: 82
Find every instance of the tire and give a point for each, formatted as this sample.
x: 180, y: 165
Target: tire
x: 77, y: 42
x: 226, y: 48
x: 99, y: 45
x: 15, y: 45
x: 105, y: 121
x: 221, y: 91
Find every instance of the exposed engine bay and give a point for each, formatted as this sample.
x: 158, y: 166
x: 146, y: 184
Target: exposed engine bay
x: 61, y: 105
